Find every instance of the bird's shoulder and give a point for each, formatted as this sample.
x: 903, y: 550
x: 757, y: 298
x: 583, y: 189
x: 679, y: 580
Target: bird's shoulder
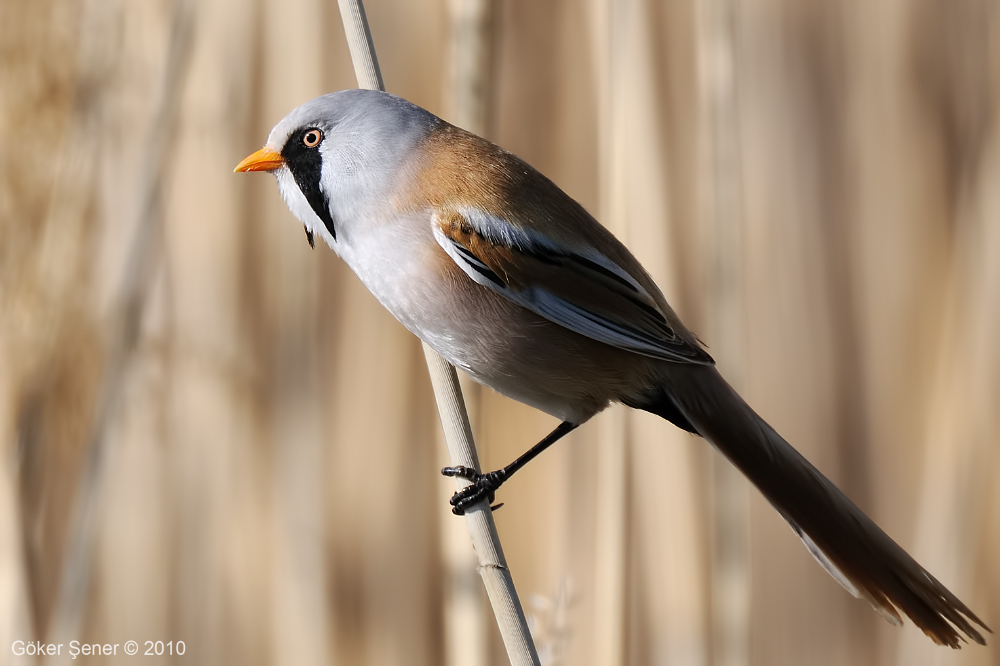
x: 517, y: 222
x: 459, y: 171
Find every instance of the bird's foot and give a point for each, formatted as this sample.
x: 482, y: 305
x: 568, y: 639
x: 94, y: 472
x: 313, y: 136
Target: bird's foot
x: 483, y: 488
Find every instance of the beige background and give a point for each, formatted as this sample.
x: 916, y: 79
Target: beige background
x: 815, y: 184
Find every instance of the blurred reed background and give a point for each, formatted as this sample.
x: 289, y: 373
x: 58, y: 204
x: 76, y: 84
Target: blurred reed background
x: 239, y: 447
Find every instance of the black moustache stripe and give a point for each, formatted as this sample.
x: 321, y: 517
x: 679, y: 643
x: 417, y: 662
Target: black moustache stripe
x: 306, y: 165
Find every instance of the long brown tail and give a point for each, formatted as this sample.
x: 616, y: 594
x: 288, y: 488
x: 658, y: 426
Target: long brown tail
x: 842, y: 538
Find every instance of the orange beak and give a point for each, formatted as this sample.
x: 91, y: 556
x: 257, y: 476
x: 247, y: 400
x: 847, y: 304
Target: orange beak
x: 264, y: 159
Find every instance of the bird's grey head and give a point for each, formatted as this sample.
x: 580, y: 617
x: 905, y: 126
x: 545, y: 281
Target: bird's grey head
x: 339, y: 155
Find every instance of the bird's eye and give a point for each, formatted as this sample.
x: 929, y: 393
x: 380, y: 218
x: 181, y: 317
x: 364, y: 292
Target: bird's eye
x: 312, y: 138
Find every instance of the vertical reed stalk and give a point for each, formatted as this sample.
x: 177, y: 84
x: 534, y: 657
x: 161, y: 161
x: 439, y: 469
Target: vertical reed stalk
x: 451, y: 406
x: 468, y: 96
x: 730, y: 535
x: 124, y: 329
x: 610, y: 571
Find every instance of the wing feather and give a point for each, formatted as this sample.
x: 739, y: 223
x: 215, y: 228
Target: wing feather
x: 582, y: 290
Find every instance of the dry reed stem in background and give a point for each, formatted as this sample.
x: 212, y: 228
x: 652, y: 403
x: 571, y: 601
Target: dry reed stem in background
x: 469, y: 88
x: 609, y: 24
x: 722, y: 202
x: 124, y: 329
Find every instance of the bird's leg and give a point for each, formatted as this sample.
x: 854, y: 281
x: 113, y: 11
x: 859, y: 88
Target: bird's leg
x: 484, y: 486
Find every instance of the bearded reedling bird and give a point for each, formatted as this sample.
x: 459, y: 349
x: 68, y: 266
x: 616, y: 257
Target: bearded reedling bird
x: 508, y: 278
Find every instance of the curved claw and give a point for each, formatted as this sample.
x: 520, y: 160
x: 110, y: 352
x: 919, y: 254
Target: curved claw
x: 461, y: 472
x: 482, y: 488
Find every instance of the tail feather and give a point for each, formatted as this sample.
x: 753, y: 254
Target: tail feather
x: 846, y: 542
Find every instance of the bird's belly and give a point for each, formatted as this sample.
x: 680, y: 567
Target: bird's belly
x: 494, y: 351
x: 499, y: 343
